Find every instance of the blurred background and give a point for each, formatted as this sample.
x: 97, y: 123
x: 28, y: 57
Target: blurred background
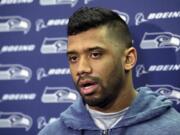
x: 35, y: 81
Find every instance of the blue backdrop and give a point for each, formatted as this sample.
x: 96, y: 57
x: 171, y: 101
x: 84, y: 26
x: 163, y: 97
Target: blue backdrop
x: 35, y: 81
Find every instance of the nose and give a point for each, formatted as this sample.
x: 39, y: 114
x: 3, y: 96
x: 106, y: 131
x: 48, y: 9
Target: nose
x: 84, y: 67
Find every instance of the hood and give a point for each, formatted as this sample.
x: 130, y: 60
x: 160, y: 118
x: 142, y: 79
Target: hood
x: 146, y: 106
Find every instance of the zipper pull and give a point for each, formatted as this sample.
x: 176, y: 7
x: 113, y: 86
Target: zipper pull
x: 105, y: 132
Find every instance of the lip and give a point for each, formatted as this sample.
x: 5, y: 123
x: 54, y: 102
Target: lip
x: 89, y: 89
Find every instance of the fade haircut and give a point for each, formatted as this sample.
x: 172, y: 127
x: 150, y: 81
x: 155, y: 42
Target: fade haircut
x: 94, y: 17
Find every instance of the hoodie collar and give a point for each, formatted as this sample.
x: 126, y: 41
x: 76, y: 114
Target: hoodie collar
x: 147, y: 105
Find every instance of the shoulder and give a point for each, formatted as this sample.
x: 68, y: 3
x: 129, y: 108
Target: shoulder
x: 53, y: 129
x: 166, y: 124
x: 60, y: 126
x: 169, y: 119
x: 172, y: 117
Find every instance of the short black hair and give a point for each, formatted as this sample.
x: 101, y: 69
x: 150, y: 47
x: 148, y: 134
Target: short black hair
x: 93, y: 17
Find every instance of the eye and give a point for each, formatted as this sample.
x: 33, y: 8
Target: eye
x: 95, y: 54
x: 72, y: 58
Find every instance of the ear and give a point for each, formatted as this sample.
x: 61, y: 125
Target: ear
x: 130, y: 58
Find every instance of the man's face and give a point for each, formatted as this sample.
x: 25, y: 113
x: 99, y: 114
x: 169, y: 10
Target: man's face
x: 96, y: 66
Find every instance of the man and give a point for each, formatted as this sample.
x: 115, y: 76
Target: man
x: 101, y: 58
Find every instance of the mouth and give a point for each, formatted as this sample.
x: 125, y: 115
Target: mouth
x: 87, y: 87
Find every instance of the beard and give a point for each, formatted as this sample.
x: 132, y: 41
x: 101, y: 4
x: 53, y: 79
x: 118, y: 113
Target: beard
x: 108, y: 92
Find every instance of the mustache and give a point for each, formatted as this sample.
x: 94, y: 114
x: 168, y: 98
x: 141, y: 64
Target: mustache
x: 92, y: 78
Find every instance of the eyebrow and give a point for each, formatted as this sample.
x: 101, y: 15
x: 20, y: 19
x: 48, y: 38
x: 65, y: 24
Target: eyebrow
x: 70, y: 52
x: 87, y: 50
x: 96, y: 48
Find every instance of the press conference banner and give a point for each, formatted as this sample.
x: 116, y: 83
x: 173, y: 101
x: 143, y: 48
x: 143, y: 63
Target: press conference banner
x: 35, y: 80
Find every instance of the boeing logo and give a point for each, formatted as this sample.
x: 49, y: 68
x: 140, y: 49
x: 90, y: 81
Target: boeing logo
x: 123, y: 15
x: 54, y: 45
x: 140, y: 69
x: 156, y: 40
x: 41, y: 24
x: 41, y: 73
x: 140, y: 17
x: 167, y: 90
x: 14, y: 24
x: 17, y: 48
x: 9, y: 2
x: 18, y: 97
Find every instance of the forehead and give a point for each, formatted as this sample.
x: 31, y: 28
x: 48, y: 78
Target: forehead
x: 95, y: 33
x: 90, y: 38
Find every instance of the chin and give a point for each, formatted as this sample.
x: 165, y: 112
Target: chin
x: 95, y: 102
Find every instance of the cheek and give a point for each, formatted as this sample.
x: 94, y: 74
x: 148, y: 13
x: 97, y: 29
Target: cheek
x: 104, y: 70
x: 113, y: 70
x: 73, y: 73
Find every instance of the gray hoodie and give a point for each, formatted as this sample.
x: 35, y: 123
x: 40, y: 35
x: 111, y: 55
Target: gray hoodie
x: 149, y: 114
